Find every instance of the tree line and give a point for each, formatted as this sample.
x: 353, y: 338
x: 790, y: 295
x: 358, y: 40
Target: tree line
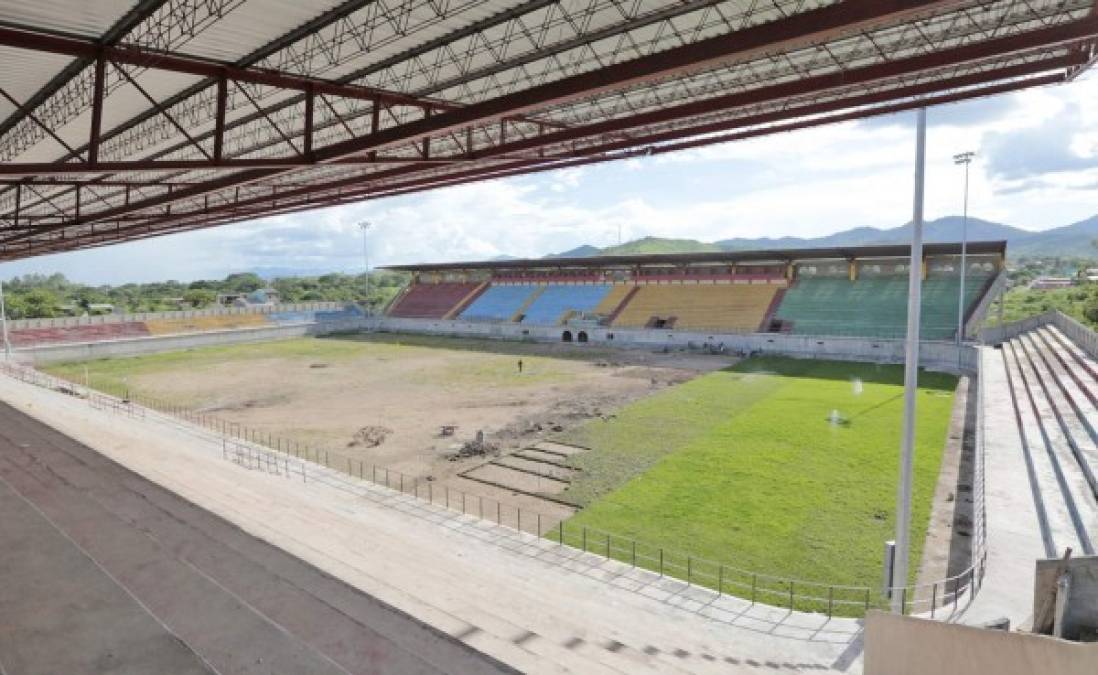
x: 35, y: 296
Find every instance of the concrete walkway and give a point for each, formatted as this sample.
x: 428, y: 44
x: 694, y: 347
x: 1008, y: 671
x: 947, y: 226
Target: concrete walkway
x: 1014, y: 532
x: 522, y: 600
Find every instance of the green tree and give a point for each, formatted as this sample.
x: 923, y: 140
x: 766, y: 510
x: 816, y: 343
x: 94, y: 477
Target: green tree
x: 199, y: 297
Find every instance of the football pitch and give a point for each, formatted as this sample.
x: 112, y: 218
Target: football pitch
x: 781, y: 466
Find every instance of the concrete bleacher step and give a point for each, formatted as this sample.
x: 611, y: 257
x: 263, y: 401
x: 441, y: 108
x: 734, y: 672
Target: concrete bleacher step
x: 1064, y: 487
x: 1085, y: 384
x: 1077, y: 417
x: 1075, y: 359
x: 1057, y: 522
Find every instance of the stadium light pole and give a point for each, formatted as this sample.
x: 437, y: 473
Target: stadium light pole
x: 365, y: 226
x: 911, y: 371
x: 4, y: 323
x: 964, y: 158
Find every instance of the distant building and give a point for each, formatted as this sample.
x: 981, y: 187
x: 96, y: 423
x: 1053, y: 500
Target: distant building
x: 259, y: 297
x: 1050, y: 283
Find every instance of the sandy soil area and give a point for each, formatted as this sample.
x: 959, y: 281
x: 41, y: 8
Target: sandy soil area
x: 405, y: 394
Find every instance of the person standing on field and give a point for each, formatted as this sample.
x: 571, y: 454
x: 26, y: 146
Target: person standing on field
x: 520, y: 366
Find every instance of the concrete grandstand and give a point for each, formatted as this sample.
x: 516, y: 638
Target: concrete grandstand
x: 149, y: 536
x: 858, y: 292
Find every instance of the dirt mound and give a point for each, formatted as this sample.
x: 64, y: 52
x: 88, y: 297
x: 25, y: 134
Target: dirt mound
x: 370, y: 437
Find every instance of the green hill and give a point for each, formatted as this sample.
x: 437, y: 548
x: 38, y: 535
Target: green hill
x: 659, y: 245
x: 1077, y: 240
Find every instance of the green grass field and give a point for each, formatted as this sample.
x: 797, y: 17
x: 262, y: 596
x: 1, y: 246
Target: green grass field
x: 743, y: 466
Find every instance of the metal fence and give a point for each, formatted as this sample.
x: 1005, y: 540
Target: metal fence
x: 256, y: 449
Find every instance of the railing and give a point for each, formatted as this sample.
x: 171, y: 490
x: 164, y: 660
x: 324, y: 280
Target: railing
x: 100, y: 319
x: 1082, y: 336
x: 263, y: 451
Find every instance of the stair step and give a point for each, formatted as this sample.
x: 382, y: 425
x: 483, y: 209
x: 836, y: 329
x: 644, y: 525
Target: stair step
x: 1062, y: 483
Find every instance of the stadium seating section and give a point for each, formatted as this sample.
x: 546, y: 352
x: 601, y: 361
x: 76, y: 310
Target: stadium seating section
x: 732, y: 307
x: 875, y: 306
x: 499, y: 303
x: 431, y: 301
x: 25, y: 337
x: 556, y: 300
x: 613, y: 299
x: 201, y: 324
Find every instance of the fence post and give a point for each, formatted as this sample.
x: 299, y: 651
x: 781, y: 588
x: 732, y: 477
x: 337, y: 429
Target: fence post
x: 867, y: 599
x: 903, y: 601
x: 431, y: 493
x: 519, y: 518
x: 830, y: 600
x: 585, y: 539
x: 539, y: 525
x: 499, y: 509
x: 661, y: 562
x: 634, y: 553
x: 933, y: 598
x: 720, y: 580
x: 790, y: 596
x: 754, y: 586
x: 447, y: 496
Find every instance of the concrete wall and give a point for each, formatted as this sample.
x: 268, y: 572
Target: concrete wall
x: 976, y: 319
x: 1081, y: 610
x: 45, y: 354
x: 62, y: 322
x: 935, y: 355
x: 896, y: 645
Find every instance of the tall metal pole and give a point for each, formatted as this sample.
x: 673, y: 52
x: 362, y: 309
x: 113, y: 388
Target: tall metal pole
x: 365, y: 226
x: 966, y: 159
x: 4, y: 322
x: 911, y: 371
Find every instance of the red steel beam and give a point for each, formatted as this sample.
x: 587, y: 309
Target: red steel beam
x: 694, y: 143
x: 310, y: 200
x: 974, y: 79
x: 798, y: 30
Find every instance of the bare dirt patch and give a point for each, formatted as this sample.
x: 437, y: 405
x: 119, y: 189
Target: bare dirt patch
x: 414, y: 407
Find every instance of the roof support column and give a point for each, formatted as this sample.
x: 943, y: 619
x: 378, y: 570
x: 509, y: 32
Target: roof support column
x: 98, y: 88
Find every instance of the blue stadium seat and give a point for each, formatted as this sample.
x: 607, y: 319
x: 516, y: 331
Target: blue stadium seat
x: 557, y: 299
x: 498, y: 303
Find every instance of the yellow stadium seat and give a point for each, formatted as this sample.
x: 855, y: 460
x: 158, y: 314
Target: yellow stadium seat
x: 731, y: 307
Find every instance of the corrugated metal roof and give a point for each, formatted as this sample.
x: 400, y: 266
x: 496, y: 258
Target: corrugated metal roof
x: 714, y: 257
x: 457, y: 53
x: 90, y: 18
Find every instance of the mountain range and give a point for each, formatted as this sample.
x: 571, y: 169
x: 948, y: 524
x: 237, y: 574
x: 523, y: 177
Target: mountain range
x: 1075, y: 240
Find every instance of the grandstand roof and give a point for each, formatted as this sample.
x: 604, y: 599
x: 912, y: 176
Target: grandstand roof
x: 125, y: 119
x: 714, y: 257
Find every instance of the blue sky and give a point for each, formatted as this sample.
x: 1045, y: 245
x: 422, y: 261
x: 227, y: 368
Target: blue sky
x: 1037, y: 167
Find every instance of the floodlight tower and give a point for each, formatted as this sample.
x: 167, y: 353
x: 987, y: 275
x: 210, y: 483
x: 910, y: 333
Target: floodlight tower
x: 964, y: 158
x: 365, y: 226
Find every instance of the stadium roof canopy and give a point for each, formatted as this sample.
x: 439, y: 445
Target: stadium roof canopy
x: 125, y: 119
x: 787, y: 255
